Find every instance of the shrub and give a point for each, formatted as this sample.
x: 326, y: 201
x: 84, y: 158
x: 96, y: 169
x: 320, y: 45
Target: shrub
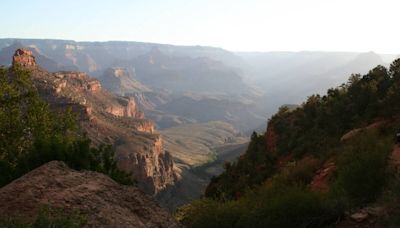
x: 288, y: 207
x: 362, y: 169
x: 210, y: 213
x: 270, y: 205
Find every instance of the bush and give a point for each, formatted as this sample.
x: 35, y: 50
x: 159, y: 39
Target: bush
x: 209, y: 213
x: 274, y: 206
x: 270, y: 205
x: 251, y: 169
x: 288, y: 207
x: 362, y: 169
x: 77, y: 154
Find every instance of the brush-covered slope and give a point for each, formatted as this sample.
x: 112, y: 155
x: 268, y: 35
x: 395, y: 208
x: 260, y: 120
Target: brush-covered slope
x: 330, y: 162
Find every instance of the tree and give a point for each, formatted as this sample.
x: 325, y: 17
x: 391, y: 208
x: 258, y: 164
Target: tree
x: 31, y: 134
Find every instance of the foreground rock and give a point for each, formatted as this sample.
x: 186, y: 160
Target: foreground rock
x: 104, y: 202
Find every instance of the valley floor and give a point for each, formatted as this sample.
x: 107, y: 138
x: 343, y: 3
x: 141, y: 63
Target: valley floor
x: 194, y: 180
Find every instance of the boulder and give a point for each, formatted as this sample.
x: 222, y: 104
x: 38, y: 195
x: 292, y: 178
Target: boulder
x: 96, y: 196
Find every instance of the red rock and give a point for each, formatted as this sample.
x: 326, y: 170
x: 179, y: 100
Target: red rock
x: 108, y: 118
x: 102, y: 201
x: 320, y: 182
x: 24, y: 57
x: 355, y: 132
x: 359, y: 216
x: 94, y: 85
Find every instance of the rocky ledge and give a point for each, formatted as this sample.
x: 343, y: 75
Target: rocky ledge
x: 102, y: 201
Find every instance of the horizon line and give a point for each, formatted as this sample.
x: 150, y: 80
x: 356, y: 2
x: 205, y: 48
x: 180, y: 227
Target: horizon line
x: 199, y: 45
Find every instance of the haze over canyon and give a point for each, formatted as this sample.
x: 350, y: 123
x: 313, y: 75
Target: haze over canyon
x: 177, y: 117
x: 204, y: 102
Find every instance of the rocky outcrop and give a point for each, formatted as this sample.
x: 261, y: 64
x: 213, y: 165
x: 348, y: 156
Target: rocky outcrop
x: 320, y: 182
x: 80, y: 83
x: 127, y: 107
x: 156, y: 168
x: 94, y: 85
x: 109, y: 119
x: 144, y: 126
x: 24, y: 57
x: 103, y: 202
x: 132, y: 110
x: 351, y: 134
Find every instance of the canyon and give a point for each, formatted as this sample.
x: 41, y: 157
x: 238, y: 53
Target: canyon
x: 107, y: 119
x: 196, y: 100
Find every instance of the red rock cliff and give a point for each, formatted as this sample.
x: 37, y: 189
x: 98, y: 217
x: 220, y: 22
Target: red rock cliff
x: 109, y: 119
x: 156, y: 168
x: 126, y: 107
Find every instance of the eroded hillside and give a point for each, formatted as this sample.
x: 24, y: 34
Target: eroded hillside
x: 109, y: 119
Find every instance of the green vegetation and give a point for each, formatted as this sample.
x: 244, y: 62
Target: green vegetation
x: 362, y: 169
x: 251, y: 169
x: 48, y: 218
x: 322, y: 120
x: 284, y: 200
x: 271, y: 204
x: 31, y: 134
x: 256, y: 191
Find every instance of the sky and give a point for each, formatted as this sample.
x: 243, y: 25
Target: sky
x: 236, y: 25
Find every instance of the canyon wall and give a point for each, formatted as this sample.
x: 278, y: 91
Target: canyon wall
x: 107, y: 119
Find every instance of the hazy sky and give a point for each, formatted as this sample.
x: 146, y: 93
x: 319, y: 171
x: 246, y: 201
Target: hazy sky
x: 247, y: 25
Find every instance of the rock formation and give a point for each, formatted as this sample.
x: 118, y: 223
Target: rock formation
x: 153, y: 169
x: 103, y: 202
x: 351, y: 134
x: 107, y: 118
x: 24, y: 57
x: 126, y: 108
x: 320, y: 182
